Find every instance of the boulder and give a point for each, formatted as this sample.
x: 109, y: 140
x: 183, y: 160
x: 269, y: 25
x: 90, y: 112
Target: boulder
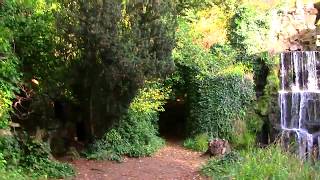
x: 218, y: 147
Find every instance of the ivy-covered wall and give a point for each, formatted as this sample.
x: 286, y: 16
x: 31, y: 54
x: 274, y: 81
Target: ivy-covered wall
x: 219, y: 91
x: 218, y: 101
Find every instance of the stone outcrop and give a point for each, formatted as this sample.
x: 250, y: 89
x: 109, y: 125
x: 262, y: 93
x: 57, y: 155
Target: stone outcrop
x: 218, y: 147
x: 295, y: 29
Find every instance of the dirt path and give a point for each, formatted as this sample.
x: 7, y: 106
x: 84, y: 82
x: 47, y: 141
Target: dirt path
x: 171, y: 162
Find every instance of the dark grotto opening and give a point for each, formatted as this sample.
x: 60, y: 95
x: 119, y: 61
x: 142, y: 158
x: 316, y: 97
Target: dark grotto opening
x: 264, y: 136
x: 172, y: 122
x: 260, y: 78
x: 81, y: 131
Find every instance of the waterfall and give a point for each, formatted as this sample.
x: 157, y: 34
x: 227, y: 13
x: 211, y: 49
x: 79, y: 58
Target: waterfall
x: 299, y: 99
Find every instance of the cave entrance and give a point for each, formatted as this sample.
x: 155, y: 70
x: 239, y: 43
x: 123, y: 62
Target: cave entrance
x: 172, y: 122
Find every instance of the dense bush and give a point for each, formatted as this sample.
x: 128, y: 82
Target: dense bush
x: 9, y: 75
x: 9, y: 159
x: 35, y: 38
x: 191, y: 55
x: 38, y: 161
x: 248, y: 32
x: 269, y: 163
x: 35, y: 43
x: 136, y: 134
x: 247, y: 129
x: 8, y: 82
x: 119, y: 45
x: 217, y: 101
x: 28, y: 41
x: 219, y: 168
x: 222, y: 105
x: 32, y: 158
x: 12, y: 174
x: 219, y: 92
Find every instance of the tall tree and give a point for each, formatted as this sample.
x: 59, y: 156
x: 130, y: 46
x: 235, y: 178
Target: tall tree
x: 118, y: 44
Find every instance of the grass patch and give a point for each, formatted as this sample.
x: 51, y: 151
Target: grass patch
x: 197, y: 143
x: 269, y: 163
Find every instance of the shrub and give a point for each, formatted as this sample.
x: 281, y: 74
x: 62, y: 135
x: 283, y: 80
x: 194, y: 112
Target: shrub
x: 191, y: 55
x: 248, y: 31
x: 136, y: 133
x: 216, y: 101
x: 12, y: 174
x: 8, y: 174
x: 11, y: 151
x: 269, y: 163
x: 197, y: 143
x: 220, y: 168
x: 218, y: 92
x: 25, y: 156
x: 37, y: 160
x: 212, y: 24
x: 9, y: 75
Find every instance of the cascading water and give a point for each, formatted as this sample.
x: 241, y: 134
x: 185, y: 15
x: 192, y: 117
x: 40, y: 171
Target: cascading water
x: 299, y: 99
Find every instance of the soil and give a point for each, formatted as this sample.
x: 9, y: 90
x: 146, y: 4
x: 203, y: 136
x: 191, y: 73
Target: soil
x: 171, y: 162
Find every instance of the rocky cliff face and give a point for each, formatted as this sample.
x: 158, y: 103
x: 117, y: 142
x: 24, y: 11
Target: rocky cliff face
x: 295, y: 29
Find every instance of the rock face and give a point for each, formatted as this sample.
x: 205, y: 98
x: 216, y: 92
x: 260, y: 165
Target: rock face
x: 218, y: 147
x: 291, y: 30
x: 295, y: 29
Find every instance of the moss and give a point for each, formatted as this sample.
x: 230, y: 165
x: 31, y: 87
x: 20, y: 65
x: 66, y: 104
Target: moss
x: 265, y: 103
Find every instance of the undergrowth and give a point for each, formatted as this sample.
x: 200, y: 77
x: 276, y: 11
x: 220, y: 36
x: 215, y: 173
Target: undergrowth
x: 197, y: 143
x: 136, y: 133
x: 268, y: 163
x: 24, y: 157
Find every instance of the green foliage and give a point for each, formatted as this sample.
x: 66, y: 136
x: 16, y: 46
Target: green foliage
x: 185, y: 5
x: 218, y: 91
x: 9, y: 75
x: 31, y: 158
x: 268, y: 102
x: 269, y: 163
x: 37, y: 160
x: 219, y: 167
x: 8, y: 174
x: 217, y: 101
x: 11, y: 151
x: 117, y: 45
x: 136, y: 133
x: 189, y: 54
x: 198, y: 142
x: 29, y: 43
x: 246, y: 129
x: 34, y: 35
x: 227, y: 5
x: 248, y: 32
x: 12, y: 174
x: 224, y: 54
